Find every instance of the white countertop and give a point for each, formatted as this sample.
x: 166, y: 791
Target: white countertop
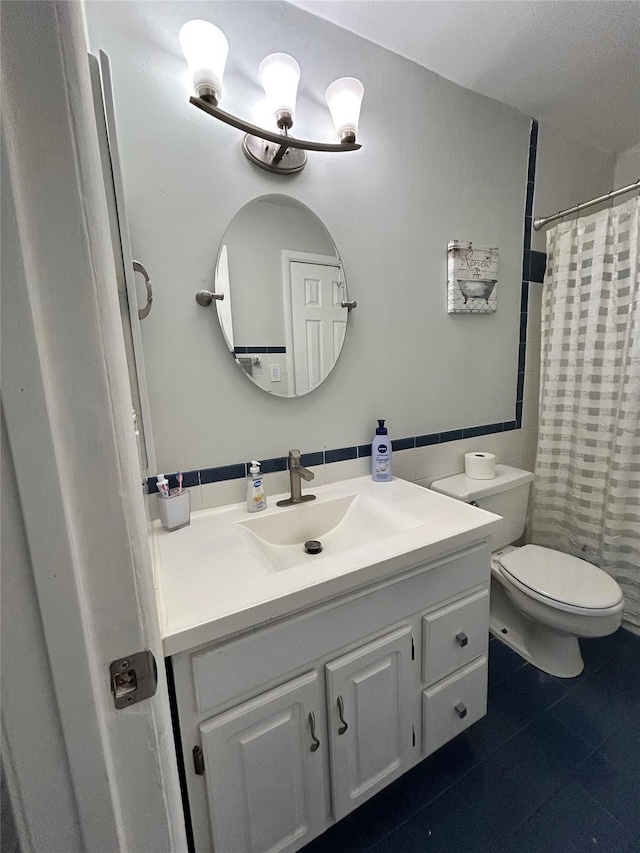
x: 211, y: 581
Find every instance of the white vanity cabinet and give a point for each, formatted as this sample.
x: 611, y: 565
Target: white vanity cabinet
x: 298, y: 722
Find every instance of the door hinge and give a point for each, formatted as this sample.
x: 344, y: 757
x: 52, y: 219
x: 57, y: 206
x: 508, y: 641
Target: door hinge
x: 133, y: 678
x: 413, y: 650
x: 198, y: 761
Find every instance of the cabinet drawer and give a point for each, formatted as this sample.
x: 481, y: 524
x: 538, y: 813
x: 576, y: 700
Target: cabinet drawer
x: 453, y: 705
x: 454, y: 636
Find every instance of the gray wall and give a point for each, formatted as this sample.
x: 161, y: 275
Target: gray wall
x: 567, y: 173
x: 438, y: 162
x: 628, y: 167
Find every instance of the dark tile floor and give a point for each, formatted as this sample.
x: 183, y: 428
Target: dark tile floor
x: 554, y: 767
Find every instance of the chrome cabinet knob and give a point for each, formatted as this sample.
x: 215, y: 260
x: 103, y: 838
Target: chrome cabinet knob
x: 461, y: 710
x: 462, y: 639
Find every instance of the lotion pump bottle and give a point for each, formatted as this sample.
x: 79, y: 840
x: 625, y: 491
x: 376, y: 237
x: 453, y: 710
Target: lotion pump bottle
x: 256, y: 497
x: 381, y: 455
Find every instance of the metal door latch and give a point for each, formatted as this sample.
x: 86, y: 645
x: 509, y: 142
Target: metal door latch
x: 133, y: 678
x: 198, y: 761
x: 144, y: 312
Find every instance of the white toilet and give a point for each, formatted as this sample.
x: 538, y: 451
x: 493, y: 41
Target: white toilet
x: 541, y: 600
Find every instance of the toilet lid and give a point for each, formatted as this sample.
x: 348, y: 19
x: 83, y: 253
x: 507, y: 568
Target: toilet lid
x: 561, y: 577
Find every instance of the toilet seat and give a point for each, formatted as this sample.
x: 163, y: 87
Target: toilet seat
x: 561, y: 580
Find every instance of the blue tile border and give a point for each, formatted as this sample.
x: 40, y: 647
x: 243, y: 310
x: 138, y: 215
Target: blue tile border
x: 321, y: 457
x: 341, y: 454
x: 523, y: 327
x: 537, y: 266
x: 310, y: 459
x: 271, y: 466
x: 253, y: 350
x: 189, y: 479
x: 472, y: 432
x: 223, y: 472
x: 403, y: 443
x: 529, y: 259
x: 426, y: 440
x: 528, y: 207
x: 533, y: 268
x: 531, y: 172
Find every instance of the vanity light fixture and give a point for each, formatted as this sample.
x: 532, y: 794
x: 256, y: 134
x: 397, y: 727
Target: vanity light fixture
x: 205, y: 48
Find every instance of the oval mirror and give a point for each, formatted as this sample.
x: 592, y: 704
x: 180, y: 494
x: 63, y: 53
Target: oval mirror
x: 282, y: 314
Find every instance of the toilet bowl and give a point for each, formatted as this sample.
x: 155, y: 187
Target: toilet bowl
x: 541, y: 599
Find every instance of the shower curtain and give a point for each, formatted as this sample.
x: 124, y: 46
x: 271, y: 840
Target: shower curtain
x: 587, y: 489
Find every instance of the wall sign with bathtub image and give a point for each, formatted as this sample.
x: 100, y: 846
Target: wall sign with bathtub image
x: 473, y: 278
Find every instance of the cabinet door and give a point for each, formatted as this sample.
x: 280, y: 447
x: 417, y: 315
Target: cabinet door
x: 265, y: 772
x: 370, y: 735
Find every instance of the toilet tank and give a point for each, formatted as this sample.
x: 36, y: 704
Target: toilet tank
x: 507, y: 494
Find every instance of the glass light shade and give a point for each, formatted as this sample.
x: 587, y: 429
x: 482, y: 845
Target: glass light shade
x: 279, y: 75
x: 205, y: 48
x: 344, y: 97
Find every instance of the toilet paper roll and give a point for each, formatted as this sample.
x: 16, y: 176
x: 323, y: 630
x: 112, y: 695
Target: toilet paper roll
x: 480, y: 466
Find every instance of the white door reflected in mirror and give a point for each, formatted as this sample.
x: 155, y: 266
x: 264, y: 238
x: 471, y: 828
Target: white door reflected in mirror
x: 282, y: 316
x: 319, y: 322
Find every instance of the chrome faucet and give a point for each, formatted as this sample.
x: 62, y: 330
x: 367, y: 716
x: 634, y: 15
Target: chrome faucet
x: 297, y: 473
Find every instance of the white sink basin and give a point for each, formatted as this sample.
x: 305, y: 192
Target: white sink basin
x: 229, y: 571
x: 339, y: 525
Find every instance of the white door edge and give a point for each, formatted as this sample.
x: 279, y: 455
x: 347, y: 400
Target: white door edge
x: 65, y: 398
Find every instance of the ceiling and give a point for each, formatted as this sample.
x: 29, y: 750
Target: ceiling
x: 575, y: 65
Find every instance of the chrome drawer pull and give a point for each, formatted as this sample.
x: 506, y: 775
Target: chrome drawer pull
x: 461, y: 710
x: 462, y: 639
x: 312, y: 725
x: 344, y: 725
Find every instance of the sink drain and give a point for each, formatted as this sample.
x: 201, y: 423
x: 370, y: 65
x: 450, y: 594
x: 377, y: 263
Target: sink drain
x: 313, y: 546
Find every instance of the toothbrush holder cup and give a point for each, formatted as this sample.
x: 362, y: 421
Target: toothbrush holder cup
x: 175, y: 510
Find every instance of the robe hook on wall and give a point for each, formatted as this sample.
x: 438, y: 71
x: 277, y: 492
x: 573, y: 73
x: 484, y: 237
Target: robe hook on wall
x: 206, y: 297
x: 205, y: 48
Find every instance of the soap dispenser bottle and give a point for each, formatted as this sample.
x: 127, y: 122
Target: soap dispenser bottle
x: 381, y: 455
x: 256, y: 496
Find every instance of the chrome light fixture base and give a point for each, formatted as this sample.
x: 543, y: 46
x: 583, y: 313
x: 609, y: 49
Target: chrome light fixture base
x: 273, y: 157
x: 275, y: 152
x: 209, y: 94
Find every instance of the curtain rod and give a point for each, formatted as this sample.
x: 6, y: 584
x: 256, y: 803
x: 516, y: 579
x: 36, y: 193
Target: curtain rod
x: 540, y: 221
